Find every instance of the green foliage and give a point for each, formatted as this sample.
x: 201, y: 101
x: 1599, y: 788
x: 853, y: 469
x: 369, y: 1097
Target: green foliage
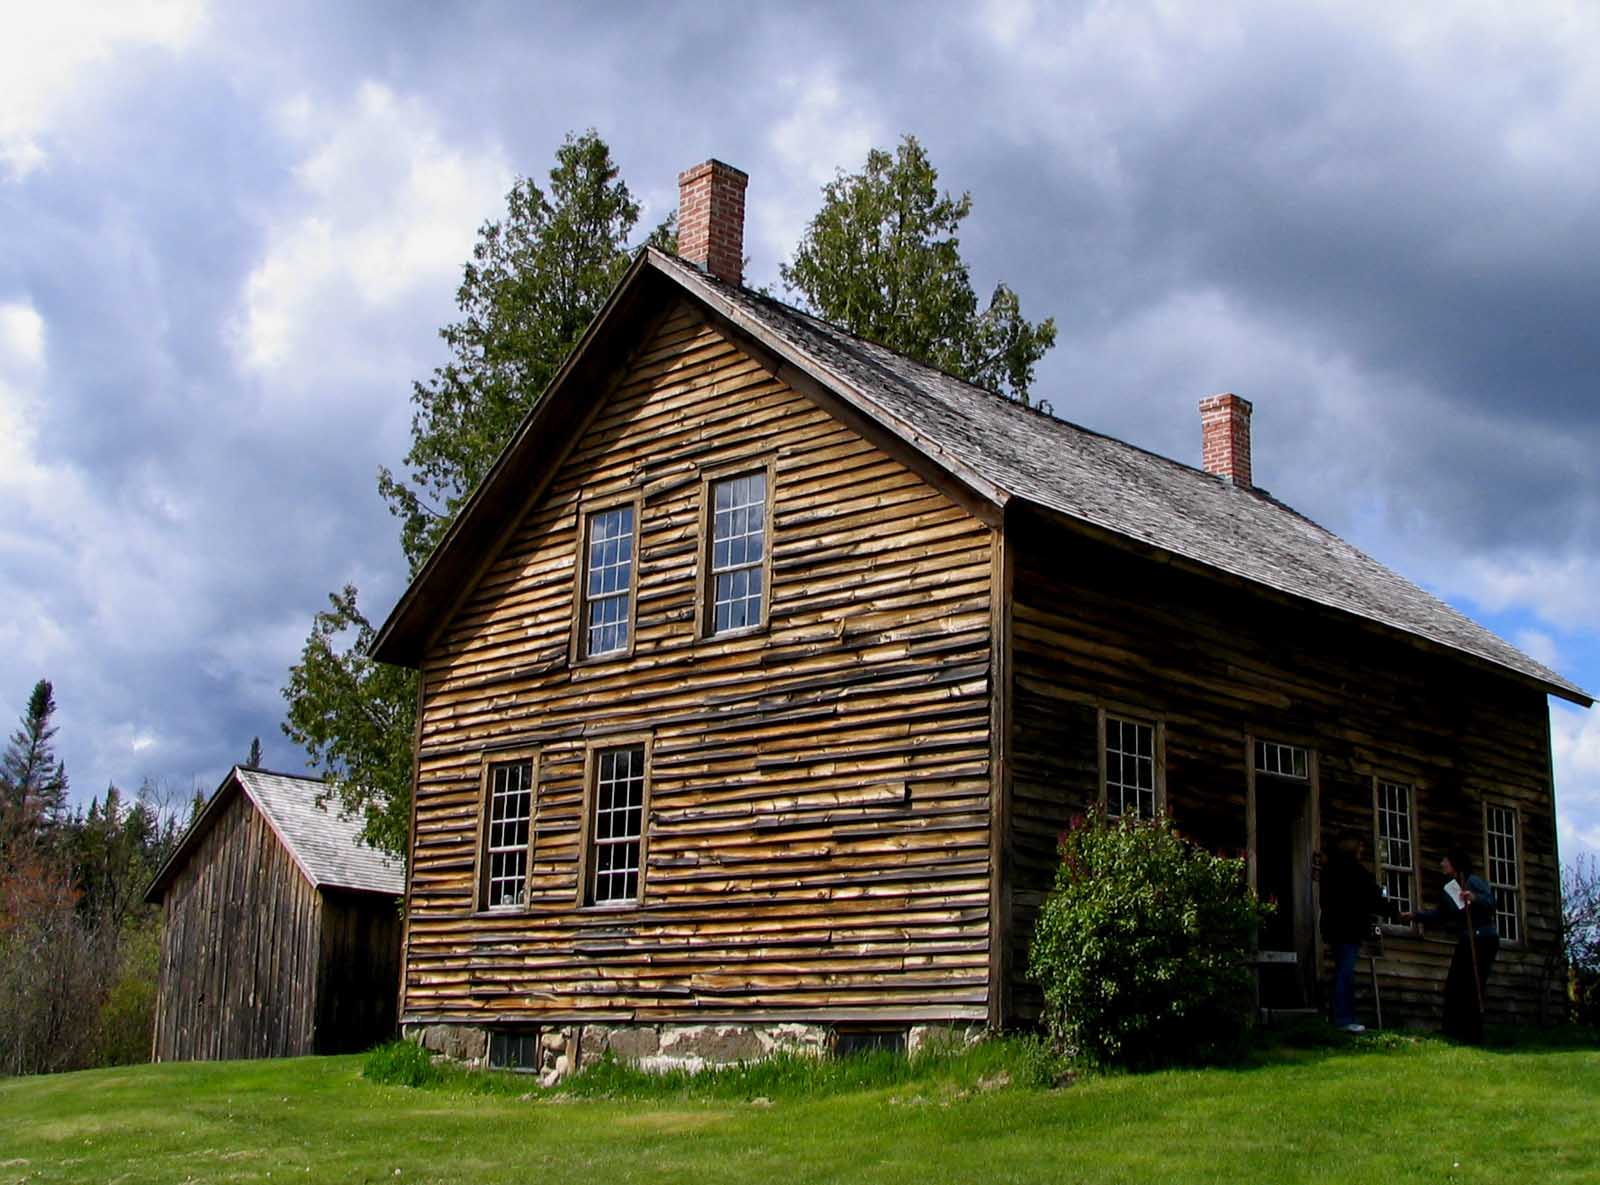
x: 401, y: 1063
x: 354, y: 717
x: 33, y: 783
x: 883, y: 260
x: 1141, y: 946
x: 536, y: 279
x: 127, y: 1015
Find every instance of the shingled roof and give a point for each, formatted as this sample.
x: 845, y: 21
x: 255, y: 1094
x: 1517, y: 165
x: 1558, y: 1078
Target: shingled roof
x: 324, y: 845
x: 1004, y: 452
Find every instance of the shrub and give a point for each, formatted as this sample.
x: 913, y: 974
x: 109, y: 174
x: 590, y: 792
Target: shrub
x: 1141, y: 946
x: 127, y: 1015
x: 401, y: 1063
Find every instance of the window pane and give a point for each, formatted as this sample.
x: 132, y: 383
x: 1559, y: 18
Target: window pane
x: 618, y: 825
x: 737, y: 548
x: 1130, y: 768
x: 607, y: 583
x: 510, y: 814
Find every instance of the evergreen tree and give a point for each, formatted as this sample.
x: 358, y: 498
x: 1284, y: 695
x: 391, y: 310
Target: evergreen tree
x: 535, y: 280
x: 253, y: 759
x: 882, y: 259
x: 33, y: 783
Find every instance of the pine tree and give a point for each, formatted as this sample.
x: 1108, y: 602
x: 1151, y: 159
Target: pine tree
x: 883, y: 260
x: 33, y: 783
x: 253, y: 759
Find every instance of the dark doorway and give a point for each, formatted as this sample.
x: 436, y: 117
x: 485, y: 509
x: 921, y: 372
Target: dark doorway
x: 1283, y: 867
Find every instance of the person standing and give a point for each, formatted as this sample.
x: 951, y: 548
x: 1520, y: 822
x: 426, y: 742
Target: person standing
x: 1477, y: 944
x: 1350, y: 898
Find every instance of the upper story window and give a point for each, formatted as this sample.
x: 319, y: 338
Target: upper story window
x: 505, y: 841
x: 616, y: 825
x: 738, y: 553
x: 608, y: 581
x: 1503, y: 870
x: 1282, y: 761
x: 1396, y: 850
x: 1129, y: 754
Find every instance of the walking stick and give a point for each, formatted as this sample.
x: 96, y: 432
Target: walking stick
x: 1472, y: 945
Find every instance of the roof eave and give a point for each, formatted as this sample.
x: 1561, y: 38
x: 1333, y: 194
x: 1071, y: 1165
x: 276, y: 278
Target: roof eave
x: 1128, y: 542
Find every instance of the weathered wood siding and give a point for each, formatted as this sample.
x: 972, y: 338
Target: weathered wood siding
x: 818, y: 835
x: 358, y: 975
x: 239, y: 944
x: 1095, y: 626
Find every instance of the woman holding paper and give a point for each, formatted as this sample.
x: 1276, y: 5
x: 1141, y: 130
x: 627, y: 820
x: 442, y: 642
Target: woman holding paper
x: 1468, y: 907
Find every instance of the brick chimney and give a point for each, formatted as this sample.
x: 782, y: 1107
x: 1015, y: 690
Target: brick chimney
x: 711, y: 219
x: 1225, y: 438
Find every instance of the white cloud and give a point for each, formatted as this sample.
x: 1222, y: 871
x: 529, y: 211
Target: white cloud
x: 827, y: 129
x: 387, y: 206
x: 49, y: 50
x: 1539, y: 646
x: 1559, y: 588
x: 1575, y: 749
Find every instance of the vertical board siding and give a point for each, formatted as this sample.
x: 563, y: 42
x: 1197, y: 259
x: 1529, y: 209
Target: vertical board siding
x: 1095, y: 626
x: 817, y: 839
x: 239, y: 947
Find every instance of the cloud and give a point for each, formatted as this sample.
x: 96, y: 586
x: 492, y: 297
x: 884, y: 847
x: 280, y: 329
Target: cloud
x: 1575, y: 750
x: 386, y: 206
x: 51, y: 55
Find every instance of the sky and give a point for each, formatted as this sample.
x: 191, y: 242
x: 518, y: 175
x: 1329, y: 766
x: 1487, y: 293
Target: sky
x: 230, y: 233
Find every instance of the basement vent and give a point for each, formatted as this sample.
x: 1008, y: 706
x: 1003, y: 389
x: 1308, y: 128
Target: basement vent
x: 514, y: 1051
x: 853, y: 1040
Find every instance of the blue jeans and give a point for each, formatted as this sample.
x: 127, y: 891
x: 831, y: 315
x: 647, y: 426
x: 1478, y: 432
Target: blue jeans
x: 1344, y: 981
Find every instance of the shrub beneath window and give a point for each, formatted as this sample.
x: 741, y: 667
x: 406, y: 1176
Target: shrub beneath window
x: 1141, y: 947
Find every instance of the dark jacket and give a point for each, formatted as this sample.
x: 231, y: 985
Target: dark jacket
x: 1350, y: 898
x: 1484, y: 924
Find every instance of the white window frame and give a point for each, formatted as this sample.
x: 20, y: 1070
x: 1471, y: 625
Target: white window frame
x: 1278, y: 760
x: 1111, y: 779
x: 582, y: 599
x: 494, y: 845
x: 594, y: 843
x: 1381, y: 843
x: 1500, y: 850
x: 758, y: 570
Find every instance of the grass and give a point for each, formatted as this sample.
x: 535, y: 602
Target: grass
x: 1381, y: 1108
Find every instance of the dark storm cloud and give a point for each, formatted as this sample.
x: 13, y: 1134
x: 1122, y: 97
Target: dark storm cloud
x: 1379, y: 227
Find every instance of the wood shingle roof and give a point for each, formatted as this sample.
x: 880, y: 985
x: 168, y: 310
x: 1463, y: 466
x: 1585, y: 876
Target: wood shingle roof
x: 999, y: 450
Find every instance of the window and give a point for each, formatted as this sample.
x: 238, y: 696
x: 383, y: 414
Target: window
x: 616, y: 828
x: 1396, y: 855
x: 1130, y: 767
x: 505, y: 849
x: 738, y: 539
x: 1503, y: 869
x: 607, y: 581
x: 1282, y: 761
x: 518, y: 1051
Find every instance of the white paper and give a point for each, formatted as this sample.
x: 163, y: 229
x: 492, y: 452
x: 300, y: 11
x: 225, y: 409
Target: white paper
x: 1453, y: 891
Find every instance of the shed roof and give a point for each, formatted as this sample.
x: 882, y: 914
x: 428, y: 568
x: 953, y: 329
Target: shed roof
x: 1005, y: 452
x: 325, y: 845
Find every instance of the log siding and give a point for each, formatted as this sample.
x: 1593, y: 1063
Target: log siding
x: 817, y: 841
x: 1220, y: 666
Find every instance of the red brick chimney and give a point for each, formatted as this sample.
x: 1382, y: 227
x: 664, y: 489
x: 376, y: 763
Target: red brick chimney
x: 1225, y: 438
x: 711, y: 219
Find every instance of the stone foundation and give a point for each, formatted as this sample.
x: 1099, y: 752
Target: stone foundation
x: 561, y: 1049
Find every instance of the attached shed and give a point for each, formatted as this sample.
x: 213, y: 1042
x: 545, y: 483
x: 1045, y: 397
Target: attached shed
x: 281, y: 930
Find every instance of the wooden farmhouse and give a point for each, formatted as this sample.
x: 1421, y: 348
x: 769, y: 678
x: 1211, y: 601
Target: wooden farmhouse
x: 762, y: 671
x: 280, y: 933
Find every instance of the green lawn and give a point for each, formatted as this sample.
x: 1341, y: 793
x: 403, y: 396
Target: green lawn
x: 1381, y: 1110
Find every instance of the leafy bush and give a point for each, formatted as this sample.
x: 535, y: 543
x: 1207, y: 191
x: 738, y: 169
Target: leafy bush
x: 1141, y: 946
x: 127, y: 1015
x: 401, y: 1063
